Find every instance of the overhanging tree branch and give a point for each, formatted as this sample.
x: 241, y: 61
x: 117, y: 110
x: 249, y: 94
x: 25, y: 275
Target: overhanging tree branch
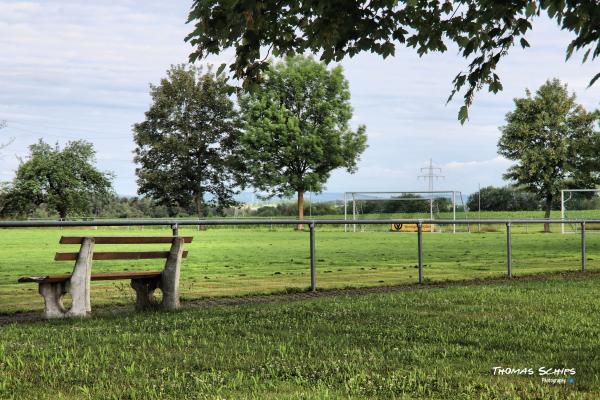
x: 483, y: 30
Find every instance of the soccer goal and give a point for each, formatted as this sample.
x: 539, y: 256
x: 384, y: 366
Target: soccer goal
x: 431, y: 205
x: 579, y: 204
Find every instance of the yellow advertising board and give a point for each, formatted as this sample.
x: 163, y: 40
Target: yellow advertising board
x: 409, y: 228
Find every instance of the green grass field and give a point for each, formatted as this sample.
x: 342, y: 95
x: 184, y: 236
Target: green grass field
x: 412, y: 344
x: 234, y: 262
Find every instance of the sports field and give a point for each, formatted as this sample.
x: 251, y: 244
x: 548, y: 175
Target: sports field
x: 237, y: 262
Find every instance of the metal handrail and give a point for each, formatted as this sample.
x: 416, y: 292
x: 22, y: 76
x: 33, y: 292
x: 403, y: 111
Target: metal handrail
x: 174, y: 224
x: 316, y: 221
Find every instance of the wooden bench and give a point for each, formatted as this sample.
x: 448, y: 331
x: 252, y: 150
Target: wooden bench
x: 54, y: 287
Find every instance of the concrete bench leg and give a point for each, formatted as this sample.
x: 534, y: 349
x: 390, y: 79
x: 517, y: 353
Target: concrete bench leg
x: 170, y: 276
x: 53, y: 294
x: 144, y: 290
x: 79, y: 284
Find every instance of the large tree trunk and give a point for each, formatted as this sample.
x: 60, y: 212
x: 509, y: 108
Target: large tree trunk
x: 300, y: 208
x: 547, y: 209
x: 199, y: 206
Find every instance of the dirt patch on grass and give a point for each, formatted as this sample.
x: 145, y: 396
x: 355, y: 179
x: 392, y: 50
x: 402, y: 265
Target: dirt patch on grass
x: 29, y: 317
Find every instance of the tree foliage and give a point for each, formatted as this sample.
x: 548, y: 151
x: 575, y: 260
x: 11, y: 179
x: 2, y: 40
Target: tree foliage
x: 291, y: 210
x: 296, y: 129
x: 408, y: 203
x: 186, y: 142
x: 505, y: 198
x: 554, y: 142
x: 483, y: 31
x: 64, y: 180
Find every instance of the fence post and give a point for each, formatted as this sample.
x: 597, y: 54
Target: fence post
x: 583, y: 256
x: 313, y: 282
x: 175, y: 229
x: 508, y: 250
x: 420, y: 249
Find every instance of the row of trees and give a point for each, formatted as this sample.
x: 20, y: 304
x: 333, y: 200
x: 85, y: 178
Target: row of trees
x: 406, y: 203
x: 197, y: 147
x: 513, y: 198
x: 112, y: 206
x: 506, y: 198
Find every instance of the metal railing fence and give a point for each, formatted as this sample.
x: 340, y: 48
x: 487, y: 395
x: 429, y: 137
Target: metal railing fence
x: 174, y: 224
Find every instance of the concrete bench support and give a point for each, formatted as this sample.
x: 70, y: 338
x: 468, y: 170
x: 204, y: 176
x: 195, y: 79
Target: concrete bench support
x: 78, y: 285
x: 53, y: 292
x: 168, y: 283
x: 144, y: 291
x: 170, y: 276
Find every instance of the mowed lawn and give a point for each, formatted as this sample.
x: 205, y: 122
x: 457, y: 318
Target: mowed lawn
x: 411, y: 344
x: 234, y: 262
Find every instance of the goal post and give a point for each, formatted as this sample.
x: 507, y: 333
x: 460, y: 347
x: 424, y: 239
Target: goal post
x: 402, y: 204
x: 579, y: 204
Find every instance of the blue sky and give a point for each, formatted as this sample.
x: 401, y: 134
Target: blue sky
x: 80, y: 70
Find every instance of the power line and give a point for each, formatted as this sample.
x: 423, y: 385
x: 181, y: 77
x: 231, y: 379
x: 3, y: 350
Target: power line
x: 431, y: 176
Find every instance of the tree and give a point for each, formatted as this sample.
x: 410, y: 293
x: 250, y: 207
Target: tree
x: 482, y: 30
x: 296, y: 129
x: 185, y: 144
x: 554, y: 142
x: 65, y: 180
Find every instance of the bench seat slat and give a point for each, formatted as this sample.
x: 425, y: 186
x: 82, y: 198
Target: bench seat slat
x: 104, y: 276
x: 123, y: 239
x: 117, y: 255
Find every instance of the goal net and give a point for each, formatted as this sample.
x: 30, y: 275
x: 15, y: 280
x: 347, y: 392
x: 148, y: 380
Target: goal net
x: 448, y: 205
x: 579, y: 204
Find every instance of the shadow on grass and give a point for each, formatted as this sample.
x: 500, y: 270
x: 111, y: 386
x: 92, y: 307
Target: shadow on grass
x: 297, y: 294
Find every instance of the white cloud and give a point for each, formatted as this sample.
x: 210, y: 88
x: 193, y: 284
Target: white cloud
x: 495, y: 162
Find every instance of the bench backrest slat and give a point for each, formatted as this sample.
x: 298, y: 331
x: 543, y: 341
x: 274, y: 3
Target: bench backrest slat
x: 117, y: 255
x: 124, y: 239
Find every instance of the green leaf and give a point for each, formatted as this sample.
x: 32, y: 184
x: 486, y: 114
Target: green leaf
x: 594, y: 79
x: 570, y: 49
x: 463, y: 114
x: 221, y: 69
x: 524, y: 43
x: 531, y: 9
x: 585, y: 56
